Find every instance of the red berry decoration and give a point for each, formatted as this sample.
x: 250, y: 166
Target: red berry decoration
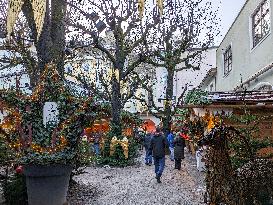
x: 19, y: 169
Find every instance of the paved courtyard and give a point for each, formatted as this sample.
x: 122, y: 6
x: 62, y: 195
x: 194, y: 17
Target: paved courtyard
x: 137, y: 185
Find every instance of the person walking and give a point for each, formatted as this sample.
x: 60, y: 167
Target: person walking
x: 157, y: 148
x: 147, y: 143
x: 170, y: 139
x: 179, y: 145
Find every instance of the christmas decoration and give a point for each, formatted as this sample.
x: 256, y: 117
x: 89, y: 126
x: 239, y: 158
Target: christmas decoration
x: 15, y: 7
x: 19, y: 169
x: 124, y: 144
x: 141, y: 7
x: 160, y: 6
x: 24, y: 126
x: 39, y: 10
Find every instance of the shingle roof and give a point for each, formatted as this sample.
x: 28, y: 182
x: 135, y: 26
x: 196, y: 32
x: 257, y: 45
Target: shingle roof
x: 241, y: 97
x: 212, y: 72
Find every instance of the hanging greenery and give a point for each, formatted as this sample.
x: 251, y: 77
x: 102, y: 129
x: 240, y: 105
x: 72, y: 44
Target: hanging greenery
x: 193, y: 97
x: 248, y: 127
x: 197, y: 97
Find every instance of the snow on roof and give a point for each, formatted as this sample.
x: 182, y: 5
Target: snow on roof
x: 241, y: 96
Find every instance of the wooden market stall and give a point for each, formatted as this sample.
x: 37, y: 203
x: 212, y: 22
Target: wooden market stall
x: 257, y: 103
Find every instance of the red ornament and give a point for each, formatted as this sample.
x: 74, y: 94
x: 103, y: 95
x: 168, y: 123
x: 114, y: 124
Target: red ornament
x: 19, y: 169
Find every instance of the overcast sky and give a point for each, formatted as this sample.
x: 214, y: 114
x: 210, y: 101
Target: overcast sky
x: 229, y: 9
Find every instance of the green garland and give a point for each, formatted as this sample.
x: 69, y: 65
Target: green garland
x: 45, y: 147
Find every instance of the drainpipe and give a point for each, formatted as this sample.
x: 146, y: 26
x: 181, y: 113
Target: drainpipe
x: 215, y: 84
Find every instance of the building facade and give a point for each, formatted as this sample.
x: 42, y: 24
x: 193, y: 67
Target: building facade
x: 184, y: 78
x: 245, y: 56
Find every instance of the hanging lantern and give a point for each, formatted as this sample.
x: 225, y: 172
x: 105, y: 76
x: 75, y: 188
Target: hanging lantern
x: 3, y: 114
x: 141, y: 7
x: 50, y: 114
x: 160, y: 6
x: 14, y: 8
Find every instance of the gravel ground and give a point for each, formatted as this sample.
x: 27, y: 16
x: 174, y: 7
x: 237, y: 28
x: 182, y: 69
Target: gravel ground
x: 136, y: 185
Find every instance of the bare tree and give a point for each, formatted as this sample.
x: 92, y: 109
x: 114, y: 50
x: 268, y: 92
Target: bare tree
x: 125, y: 50
x: 50, y: 45
x: 187, y: 28
x: 16, y: 51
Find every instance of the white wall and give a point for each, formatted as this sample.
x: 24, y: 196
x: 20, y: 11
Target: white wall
x: 194, y: 77
x: 246, y: 60
x: 151, y: 117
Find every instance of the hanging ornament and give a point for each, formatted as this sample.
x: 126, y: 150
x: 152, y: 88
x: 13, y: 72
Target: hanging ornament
x: 15, y: 7
x: 50, y: 114
x: 211, y: 123
x: 39, y: 10
x: 160, y: 6
x: 141, y: 7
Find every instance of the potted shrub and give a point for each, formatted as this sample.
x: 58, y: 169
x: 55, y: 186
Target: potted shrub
x: 45, y: 128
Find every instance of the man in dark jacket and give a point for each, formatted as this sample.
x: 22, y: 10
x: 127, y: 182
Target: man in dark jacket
x: 157, y: 148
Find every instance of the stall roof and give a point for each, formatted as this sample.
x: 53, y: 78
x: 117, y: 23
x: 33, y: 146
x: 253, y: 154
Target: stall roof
x: 250, y: 99
x: 241, y: 97
x: 212, y: 72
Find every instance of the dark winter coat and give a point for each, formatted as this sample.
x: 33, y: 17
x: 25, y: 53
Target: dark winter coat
x: 158, y: 145
x: 147, y: 141
x: 179, y: 144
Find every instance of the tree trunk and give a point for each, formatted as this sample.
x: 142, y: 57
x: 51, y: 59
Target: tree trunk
x: 58, y: 11
x: 167, y: 119
x: 116, y: 108
x: 116, y: 92
x: 51, y: 44
x: 44, y: 43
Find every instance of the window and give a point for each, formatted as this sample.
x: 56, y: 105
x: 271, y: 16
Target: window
x: 260, y: 22
x: 227, y: 60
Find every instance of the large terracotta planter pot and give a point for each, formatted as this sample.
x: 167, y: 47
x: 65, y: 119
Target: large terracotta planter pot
x: 47, y: 185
